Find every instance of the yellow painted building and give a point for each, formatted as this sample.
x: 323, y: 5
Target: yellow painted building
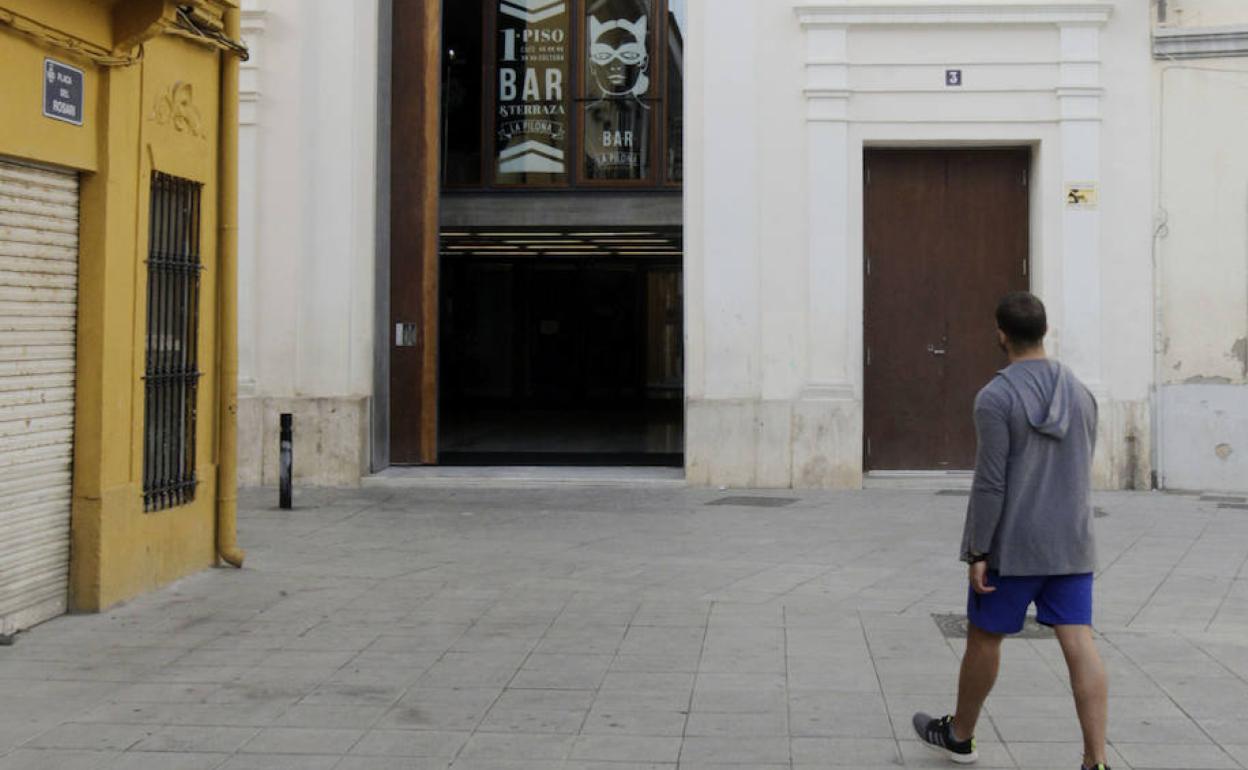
x: 117, y: 286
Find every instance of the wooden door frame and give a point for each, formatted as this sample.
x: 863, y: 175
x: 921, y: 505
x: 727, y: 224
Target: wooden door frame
x: 413, y: 233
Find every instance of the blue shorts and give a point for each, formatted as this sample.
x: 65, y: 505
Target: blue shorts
x: 1061, y: 600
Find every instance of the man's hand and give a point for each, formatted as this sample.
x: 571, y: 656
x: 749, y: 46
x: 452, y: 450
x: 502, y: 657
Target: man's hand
x: 978, y: 574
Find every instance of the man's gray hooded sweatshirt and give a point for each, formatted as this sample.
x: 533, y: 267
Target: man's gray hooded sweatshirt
x: 1030, y: 507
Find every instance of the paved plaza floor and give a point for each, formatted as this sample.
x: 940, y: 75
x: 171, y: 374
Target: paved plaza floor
x: 619, y: 627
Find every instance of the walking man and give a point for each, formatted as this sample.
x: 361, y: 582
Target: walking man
x: 1028, y: 532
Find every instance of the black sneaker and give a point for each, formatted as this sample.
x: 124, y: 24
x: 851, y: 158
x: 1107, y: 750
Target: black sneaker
x: 937, y: 735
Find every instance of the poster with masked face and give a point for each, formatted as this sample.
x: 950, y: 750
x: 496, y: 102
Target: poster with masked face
x: 618, y: 89
x: 532, y: 99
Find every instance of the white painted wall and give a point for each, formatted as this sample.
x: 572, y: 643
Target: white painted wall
x: 1202, y: 247
x: 778, y: 118
x: 307, y: 187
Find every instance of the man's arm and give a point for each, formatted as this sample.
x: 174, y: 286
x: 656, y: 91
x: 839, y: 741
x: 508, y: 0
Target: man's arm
x: 983, y: 513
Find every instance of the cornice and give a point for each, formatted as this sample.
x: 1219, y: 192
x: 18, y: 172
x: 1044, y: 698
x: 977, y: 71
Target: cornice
x: 953, y: 13
x: 1200, y: 42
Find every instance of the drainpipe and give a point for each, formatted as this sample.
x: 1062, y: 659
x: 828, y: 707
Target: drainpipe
x: 1161, y: 229
x: 227, y: 306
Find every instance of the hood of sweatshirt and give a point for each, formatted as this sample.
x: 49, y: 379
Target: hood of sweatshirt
x: 1047, y: 393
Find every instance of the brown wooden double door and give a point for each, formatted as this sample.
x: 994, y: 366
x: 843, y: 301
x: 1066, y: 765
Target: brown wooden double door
x: 946, y: 235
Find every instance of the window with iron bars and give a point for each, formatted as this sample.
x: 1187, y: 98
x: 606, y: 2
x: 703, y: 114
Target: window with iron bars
x: 172, y: 373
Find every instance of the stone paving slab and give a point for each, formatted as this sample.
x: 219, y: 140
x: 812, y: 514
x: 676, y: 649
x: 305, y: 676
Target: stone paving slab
x: 625, y: 626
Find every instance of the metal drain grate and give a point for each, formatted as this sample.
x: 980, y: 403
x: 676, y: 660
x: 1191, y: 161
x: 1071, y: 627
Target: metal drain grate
x: 953, y: 493
x: 755, y: 502
x: 953, y: 626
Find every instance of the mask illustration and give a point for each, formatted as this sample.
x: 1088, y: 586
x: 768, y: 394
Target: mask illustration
x: 618, y: 57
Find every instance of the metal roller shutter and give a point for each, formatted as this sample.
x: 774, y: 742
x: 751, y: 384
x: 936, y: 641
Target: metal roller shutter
x: 38, y: 312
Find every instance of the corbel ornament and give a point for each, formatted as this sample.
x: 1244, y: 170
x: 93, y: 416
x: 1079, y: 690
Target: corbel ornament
x: 175, y: 107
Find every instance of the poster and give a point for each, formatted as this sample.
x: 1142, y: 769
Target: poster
x: 618, y: 85
x: 533, y: 58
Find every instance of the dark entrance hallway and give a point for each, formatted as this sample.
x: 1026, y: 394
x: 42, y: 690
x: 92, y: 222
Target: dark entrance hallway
x: 561, y: 347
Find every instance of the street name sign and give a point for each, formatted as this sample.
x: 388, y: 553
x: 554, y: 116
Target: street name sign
x: 62, y: 92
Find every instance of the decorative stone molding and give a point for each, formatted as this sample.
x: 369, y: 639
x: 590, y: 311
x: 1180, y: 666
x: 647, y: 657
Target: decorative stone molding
x: 254, y: 19
x: 827, y: 25
x: 833, y: 277
x: 176, y: 107
x: 254, y: 11
x: 1200, y: 42
x: 873, y: 13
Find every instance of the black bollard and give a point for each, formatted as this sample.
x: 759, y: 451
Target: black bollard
x: 286, y: 462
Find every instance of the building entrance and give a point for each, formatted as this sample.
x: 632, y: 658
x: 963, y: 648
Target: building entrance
x: 561, y: 347
x: 946, y: 236
x: 537, y: 161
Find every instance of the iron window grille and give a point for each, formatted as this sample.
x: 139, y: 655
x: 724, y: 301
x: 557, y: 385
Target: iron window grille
x: 171, y: 382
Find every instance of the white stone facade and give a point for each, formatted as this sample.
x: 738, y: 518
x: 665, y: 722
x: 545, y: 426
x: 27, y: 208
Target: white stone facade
x: 307, y: 236
x: 782, y: 97
x: 774, y: 208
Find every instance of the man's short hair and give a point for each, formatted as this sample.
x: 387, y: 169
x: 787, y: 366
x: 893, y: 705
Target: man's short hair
x: 1020, y: 314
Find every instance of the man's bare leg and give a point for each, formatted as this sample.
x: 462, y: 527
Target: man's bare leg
x: 1087, y: 679
x: 978, y: 675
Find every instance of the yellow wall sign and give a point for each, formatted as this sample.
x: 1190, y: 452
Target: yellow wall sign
x: 1081, y: 195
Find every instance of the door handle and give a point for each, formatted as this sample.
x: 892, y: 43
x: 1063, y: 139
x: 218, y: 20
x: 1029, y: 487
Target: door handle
x: 935, y: 350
